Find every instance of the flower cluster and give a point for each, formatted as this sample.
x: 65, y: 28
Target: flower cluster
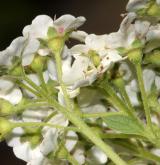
x: 85, y: 103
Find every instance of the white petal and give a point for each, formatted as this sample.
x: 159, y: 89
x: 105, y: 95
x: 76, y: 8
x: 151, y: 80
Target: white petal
x: 71, y: 140
x: 52, y: 70
x: 153, y: 33
x: 79, y: 35
x: 149, y: 78
x: 157, y: 82
x: 30, y: 115
x: 141, y: 28
x: 96, y: 42
x: 131, y: 89
x: 39, y: 27
x: 29, y: 51
x: 14, y: 96
x: 14, y: 139
x: 158, y: 2
x: 111, y: 58
x: 156, y: 151
x: 79, y: 49
x: 68, y: 22
x: 22, y: 151
x: 44, y: 52
x: 5, y: 85
x: 99, y: 156
x: 15, y: 49
x: 79, y: 154
x: 125, y: 70
x: 49, y: 142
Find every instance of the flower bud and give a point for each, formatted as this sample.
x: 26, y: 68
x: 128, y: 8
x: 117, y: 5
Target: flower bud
x: 5, y: 127
x: 118, y: 82
x: 153, y: 58
x: 154, y: 10
x: 6, y: 108
x: 39, y: 63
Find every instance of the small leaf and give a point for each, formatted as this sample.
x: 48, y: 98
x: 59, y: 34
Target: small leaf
x: 124, y: 124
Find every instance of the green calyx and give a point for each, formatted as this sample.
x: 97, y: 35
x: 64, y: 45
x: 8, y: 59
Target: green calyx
x: 94, y: 57
x: 17, y: 71
x: 56, y: 44
x: 5, y: 127
x: 135, y: 56
x: 118, y: 82
x: 6, y: 108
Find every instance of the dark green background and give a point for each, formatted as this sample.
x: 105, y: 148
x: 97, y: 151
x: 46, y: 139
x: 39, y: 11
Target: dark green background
x: 103, y: 16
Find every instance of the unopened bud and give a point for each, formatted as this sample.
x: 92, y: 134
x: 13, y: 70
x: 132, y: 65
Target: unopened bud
x: 6, y: 108
x: 5, y: 127
x: 154, y: 10
x: 17, y: 71
x: 153, y: 58
x: 39, y: 63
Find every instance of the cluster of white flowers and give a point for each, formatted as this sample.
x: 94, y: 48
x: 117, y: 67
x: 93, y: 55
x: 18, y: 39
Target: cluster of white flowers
x: 30, y: 77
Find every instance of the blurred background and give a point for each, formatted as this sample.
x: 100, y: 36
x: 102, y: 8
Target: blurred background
x: 103, y: 16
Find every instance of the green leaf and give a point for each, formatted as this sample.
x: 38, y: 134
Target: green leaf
x: 124, y: 124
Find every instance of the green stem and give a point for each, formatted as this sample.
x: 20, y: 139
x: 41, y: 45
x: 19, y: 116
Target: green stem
x: 95, y: 115
x: 36, y: 87
x: 143, y: 94
x: 20, y: 84
x: 37, y: 124
x: 84, y: 129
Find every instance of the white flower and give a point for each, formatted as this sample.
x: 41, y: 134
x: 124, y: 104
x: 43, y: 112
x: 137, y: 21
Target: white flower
x: 19, y: 47
x: 67, y: 23
x: 9, y: 91
x: 49, y: 143
x: 41, y: 24
x: 97, y: 43
x: 128, y: 33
